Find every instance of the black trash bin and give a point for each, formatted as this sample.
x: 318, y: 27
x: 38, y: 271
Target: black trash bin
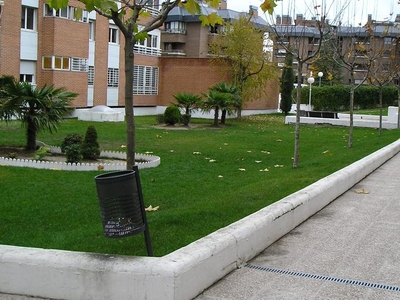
x: 122, y: 206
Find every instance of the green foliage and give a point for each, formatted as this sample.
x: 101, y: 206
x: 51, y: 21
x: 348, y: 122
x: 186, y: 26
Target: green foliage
x: 90, y: 148
x: 287, y: 81
x: 71, y: 139
x: 185, y: 119
x: 188, y: 101
x: 172, y: 115
x: 37, y: 108
x: 160, y: 119
x: 238, y: 51
x: 337, y: 97
x: 73, y: 153
x: 42, y: 152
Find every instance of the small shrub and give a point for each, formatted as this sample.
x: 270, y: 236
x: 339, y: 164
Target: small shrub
x: 160, y: 119
x: 172, y: 115
x: 90, y: 148
x: 12, y: 155
x: 186, y: 119
x: 42, y: 152
x: 73, y: 153
x: 71, y: 139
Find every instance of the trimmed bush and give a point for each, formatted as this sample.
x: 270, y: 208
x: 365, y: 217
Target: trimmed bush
x: 71, y: 139
x: 186, y: 119
x: 337, y: 98
x: 90, y: 148
x: 172, y: 115
x: 73, y: 153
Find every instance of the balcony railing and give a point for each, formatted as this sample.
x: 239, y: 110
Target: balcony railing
x: 139, y: 49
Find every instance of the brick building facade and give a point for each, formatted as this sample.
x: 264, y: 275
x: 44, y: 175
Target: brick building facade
x: 44, y: 46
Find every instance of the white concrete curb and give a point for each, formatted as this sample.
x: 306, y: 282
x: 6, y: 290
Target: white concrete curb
x: 186, y: 272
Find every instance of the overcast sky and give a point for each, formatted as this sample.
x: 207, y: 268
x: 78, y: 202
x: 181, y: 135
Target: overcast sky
x: 357, y: 11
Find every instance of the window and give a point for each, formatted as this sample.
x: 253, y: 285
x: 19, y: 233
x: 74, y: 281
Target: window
x: 90, y: 75
x: 66, y: 13
x: 112, y: 77
x: 91, y: 30
x: 28, y: 18
x: 175, y: 27
x: 55, y: 63
x: 113, y: 35
x: 26, y: 78
x: 145, y: 80
x: 79, y: 64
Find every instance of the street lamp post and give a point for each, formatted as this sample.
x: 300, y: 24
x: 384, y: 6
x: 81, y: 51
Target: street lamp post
x: 310, y: 80
x: 320, y: 74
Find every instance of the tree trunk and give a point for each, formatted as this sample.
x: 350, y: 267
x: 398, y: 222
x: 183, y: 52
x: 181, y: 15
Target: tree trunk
x: 129, y: 113
x: 223, y: 116
x: 297, y: 126
x: 380, y: 110
x: 350, y: 140
x: 31, y: 135
x: 216, y: 116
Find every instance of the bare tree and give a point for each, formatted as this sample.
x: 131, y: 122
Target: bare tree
x: 383, y: 59
x: 350, y: 45
x: 303, y: 41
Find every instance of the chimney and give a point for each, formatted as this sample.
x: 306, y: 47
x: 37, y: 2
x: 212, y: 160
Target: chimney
x: 299, y: 19
x: 286, y: 20
x: 223, y: 4
x: 278, y: 20
x: 253, y: 10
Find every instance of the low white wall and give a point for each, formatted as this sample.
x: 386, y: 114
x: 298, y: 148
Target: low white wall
x: 150, y: 161
x: 186, y: 272
x: 358, y: 121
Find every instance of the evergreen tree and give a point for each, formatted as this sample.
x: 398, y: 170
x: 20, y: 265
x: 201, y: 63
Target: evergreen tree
x: 287, y: 81
x: 90, y: 148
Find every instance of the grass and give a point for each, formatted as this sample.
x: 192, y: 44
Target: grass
x: 196, y: 196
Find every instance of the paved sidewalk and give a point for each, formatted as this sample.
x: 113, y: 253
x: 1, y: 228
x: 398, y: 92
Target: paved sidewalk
x: 349, y: 250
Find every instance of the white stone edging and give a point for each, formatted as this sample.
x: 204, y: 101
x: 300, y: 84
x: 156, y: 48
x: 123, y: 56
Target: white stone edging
x: 150, y: 161
x: 186, y: 272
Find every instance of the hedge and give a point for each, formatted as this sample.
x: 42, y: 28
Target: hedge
x: 337, y: 98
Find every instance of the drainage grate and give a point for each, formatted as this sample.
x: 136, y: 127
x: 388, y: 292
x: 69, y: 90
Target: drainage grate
x: 392, y: 288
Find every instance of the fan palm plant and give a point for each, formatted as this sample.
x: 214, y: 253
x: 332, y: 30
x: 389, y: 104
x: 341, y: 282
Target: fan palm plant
x: 37, y: 109
x: 189, y: 102
x: 233, y: 103
x: 216, y: 100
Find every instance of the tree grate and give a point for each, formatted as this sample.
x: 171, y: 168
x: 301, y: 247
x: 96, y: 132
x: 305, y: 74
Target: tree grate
x: 385, y: 287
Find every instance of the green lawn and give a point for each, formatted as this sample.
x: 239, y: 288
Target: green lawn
x: 208, y: 178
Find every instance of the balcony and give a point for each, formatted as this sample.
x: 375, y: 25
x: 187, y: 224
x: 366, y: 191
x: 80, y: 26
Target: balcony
x: 173, y: 36
x: 173, y: 52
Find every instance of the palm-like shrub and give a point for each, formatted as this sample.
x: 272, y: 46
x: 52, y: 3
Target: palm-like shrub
x: 37, y: 109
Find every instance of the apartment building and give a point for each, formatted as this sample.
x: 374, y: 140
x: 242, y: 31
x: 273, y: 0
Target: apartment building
x: 42, y: 45
x: 376, y: 41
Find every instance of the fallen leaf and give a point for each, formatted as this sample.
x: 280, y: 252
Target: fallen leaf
x: 220, y: 176
x: 123, y: 146
x: 325, y: 152
x: 258, y: 161
x: 241, y: 169
x: 151, y: 208
x: 196, y: 153
x: 361, y: 191
x: 171, y: 150
x: 279, y: 140
x: 278, y: 166
x: 212, y: 160
x: 266, y: 152
x: 264, y: 170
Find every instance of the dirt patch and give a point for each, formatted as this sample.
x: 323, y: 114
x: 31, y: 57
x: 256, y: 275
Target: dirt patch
x: 21, y: 153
